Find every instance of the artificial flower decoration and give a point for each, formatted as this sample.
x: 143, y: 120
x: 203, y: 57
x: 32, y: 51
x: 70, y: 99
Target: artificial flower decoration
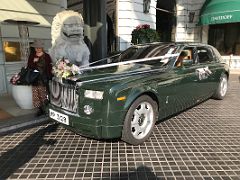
x: 21, y: 77
x: 64, y: 69
x: 15, y: 80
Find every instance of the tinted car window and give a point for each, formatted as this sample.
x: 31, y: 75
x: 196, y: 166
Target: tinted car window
x: 148, y: 51
x: 204, y: 55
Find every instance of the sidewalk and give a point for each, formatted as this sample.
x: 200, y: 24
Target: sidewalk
x: 234, y: 71
x: 12, y: 117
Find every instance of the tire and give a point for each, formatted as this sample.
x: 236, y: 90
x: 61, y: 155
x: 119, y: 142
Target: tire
x: 222, y: 88
x: 137, y: 126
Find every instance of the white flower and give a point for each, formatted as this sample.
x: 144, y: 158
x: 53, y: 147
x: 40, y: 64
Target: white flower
x: 64, y: 69
x: 74, y: 69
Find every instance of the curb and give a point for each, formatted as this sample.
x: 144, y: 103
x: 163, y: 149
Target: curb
x: 20, y: 123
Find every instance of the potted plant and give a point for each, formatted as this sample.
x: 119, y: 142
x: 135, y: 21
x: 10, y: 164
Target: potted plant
x: 144, y: 34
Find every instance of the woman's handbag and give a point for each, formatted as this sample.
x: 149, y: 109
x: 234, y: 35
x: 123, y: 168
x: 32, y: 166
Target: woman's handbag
x: 29, y: 76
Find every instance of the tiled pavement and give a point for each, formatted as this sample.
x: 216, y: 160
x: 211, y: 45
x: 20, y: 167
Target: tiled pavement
x: 200, y: 143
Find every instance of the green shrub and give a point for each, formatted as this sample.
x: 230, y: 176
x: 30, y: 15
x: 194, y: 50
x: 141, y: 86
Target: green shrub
x: 144, y: 34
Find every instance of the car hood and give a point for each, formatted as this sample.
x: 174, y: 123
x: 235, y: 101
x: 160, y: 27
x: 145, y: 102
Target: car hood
x: 133, y: 70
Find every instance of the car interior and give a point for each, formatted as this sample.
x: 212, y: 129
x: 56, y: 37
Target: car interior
x: 186, y: 59
x: 203, y: 56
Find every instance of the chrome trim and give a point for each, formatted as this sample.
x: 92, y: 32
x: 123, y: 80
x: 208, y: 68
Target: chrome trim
x: 64, y: 95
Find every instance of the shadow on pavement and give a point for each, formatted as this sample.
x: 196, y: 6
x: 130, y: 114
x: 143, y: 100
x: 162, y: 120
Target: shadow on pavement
x: 13, y: 159
x: 141, y: 173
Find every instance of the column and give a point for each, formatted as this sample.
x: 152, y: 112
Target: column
x: 94, y: 14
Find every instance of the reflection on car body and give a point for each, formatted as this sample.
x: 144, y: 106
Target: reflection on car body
x: 126, y: 94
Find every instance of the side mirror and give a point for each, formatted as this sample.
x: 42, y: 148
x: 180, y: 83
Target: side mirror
x: 187, y: 62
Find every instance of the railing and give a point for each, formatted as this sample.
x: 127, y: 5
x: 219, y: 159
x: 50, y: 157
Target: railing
x: 232, y: 61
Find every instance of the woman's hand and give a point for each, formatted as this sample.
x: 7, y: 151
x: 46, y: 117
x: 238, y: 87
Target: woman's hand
x: 35, y: 59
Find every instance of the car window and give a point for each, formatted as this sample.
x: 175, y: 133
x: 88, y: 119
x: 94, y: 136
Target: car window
x: 185, y: 57
x: 204, y: 55
x: 217, y: 54
x: 148, y: 51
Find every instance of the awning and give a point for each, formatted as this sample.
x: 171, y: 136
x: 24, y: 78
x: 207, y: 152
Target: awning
x: 220, y: 12
x: 19, y: 20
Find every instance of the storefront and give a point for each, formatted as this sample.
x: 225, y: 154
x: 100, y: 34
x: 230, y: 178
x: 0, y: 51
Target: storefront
x: 223, y: 21
x: 12, y: 49
x: 100, y: 31
x: 109, y: 23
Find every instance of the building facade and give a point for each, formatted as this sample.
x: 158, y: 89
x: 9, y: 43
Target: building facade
x: 178, y: 18
x: 109, y: 24
x: 14, y: 36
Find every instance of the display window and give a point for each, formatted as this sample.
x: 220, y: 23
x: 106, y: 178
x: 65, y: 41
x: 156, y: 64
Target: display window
x: 12, y: 51
x: 225, y: 37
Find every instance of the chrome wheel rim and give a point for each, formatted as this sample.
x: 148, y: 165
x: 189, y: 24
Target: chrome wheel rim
x: 223, y: 86
x: 142, y: 120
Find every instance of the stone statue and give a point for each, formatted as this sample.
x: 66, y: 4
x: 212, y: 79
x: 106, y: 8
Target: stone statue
x: 67, y: 38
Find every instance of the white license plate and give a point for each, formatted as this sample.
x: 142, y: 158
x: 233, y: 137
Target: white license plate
x: 62, y: 118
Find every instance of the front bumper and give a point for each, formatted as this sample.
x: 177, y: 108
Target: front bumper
x: 89, y: 127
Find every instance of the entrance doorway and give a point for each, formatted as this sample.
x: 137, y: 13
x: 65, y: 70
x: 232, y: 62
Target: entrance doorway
x: 165, y: 19
x: 100, y: 25
x: 225, y: 37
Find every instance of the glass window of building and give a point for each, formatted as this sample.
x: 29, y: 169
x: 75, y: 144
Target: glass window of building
x: 12, y: 51
x: 225, y: 37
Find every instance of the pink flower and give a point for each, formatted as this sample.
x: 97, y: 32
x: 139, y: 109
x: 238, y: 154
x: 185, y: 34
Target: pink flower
x: 61, y: 65
x: 142, y: 26
x: 64, y: 69
x: 14, y: 79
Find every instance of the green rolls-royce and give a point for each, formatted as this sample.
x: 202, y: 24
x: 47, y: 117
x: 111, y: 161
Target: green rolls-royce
x: 124, y: 95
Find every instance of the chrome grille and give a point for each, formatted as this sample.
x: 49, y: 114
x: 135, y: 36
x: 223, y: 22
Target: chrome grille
x: 64, y: 95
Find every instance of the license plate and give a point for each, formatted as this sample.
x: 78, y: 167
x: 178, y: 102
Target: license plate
x: 62, y: 118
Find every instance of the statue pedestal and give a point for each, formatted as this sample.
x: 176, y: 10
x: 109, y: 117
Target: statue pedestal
x: 22, y: 95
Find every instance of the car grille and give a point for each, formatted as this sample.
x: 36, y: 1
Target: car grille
x: 63, y: 95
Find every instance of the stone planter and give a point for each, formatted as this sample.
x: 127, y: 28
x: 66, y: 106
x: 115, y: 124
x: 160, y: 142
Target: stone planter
x: 22, y: 95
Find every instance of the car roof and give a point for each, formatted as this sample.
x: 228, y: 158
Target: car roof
x: 174, y: 43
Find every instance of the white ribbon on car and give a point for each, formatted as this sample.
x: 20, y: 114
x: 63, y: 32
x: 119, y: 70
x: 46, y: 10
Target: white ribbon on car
x: 125, y: 62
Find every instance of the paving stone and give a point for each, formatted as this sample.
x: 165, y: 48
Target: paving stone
x: 200, y: 143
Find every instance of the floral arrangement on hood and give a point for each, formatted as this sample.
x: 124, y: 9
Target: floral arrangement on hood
x: 64, y: 69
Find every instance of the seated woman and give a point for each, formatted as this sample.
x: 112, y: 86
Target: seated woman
x: 183, y: 55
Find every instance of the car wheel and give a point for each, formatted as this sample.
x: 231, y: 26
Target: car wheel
x: 140, y: 120
x: 222, y: 88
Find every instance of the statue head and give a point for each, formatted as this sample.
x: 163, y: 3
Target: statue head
x: 69, y: 25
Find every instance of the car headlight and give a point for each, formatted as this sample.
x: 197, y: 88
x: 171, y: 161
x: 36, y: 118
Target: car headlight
x: 93, y: 94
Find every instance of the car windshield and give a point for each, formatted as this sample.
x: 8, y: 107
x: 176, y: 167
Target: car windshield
x: 148, y: 52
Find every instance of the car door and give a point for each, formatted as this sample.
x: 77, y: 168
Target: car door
x: 205, y: 70
x: 186, y: 81
x: 165, y: 80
